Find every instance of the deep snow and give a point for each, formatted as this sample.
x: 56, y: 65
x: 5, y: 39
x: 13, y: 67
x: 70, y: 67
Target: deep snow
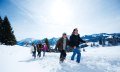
x: 18, y: 59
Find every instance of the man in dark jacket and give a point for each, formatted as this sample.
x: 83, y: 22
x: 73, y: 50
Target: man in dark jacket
x: 61, y: 46
x: 75, y: 40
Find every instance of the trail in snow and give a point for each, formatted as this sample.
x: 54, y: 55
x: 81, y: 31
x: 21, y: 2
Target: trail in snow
x: 18, y: 59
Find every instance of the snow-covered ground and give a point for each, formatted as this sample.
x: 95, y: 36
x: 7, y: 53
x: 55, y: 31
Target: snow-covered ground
x: 18, y: 59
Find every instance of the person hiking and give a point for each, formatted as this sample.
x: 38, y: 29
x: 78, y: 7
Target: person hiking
x: 33, y: 50
x: 75, y: 40
x: 61, y: 46
x: 39, y: 49
x: 45, y: 48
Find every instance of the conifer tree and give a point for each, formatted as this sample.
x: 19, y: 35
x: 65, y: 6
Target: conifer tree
x: 0, y: 29
x: 8, y: 37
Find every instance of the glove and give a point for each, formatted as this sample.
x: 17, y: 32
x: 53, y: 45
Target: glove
x: 83, y: 49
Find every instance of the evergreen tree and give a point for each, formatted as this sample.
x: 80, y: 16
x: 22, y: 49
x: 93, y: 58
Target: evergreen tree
x: 103, y: 41
x: 100, y: 41
x: 0, y: 29
x: 47, y: 43
x: 8, y: 37
x: 91, y: 45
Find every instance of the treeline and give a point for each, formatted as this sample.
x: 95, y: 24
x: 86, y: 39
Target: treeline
x: 112, y: 40
x: 7, y: 36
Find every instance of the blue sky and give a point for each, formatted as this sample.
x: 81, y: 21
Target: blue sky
x: 50, y: 18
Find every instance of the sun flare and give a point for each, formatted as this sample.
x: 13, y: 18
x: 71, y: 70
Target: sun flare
x: 60, y: 12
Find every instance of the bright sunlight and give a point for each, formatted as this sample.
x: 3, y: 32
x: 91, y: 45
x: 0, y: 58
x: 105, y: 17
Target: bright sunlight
x: 60, y: 12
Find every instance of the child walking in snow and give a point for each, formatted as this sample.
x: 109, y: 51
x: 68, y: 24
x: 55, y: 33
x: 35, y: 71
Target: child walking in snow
x: 33, y: 50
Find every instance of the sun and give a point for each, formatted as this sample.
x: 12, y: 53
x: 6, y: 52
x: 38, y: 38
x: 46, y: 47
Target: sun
x: 60, y: 12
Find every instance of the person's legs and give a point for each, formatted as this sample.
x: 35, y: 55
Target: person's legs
x: 34, y: 54
x: 61, y: 56
x: 74, y: 53
x: 64, y: 54
x: 60, y: 53
x: 43, y: 53
x: 39, y: 53
x: 78, y: 56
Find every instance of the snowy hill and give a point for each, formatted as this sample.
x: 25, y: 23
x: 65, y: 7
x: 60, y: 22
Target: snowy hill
x: 18, y: 59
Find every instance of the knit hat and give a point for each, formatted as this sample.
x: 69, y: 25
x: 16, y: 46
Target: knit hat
x: 64, y: 33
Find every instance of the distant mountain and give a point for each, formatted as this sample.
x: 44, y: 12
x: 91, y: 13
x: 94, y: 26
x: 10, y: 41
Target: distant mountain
x: 52, y: 41
x: 93, y: 37
x: 28, y: 41
x: 97, y: 37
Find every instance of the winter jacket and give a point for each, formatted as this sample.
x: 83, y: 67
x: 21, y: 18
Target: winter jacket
x: 75, y: 40
x: 39, y: 47
x: 45, y: 48
x: 33, y: 48
x: 59, y: 44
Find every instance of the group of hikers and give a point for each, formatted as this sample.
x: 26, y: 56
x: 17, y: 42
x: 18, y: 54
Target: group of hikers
x: 74, y: 41
x: 38, y: 48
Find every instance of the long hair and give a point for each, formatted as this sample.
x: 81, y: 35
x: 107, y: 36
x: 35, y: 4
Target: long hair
x: 74, y: 31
